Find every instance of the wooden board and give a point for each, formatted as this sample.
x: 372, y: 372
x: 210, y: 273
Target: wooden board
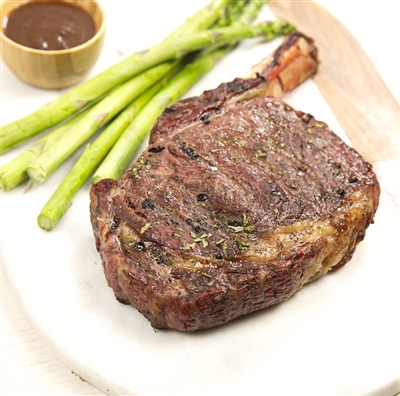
x: 357, y: 95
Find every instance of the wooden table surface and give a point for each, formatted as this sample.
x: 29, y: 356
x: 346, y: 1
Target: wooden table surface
x: 29, y: 367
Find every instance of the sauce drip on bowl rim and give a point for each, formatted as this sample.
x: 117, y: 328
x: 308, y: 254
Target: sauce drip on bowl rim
x: 49, y: 26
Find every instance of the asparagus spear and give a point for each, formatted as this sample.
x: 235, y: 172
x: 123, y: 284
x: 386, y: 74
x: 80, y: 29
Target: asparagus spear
x: 50, y: 159
x: 93, y: 154
x: 78, y: 97
x: 141, y: 61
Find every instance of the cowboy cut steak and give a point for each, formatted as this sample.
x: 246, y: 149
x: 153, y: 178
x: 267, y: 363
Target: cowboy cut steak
x: 238, y: 201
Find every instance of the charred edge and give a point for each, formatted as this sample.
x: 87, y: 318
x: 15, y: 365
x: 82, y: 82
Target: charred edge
x: 140, y: 246
x: 205, y: 118
x: 202, y: 197
x: 306, y: 118
x: 234, y: 86
x: 191, y: 153
x: 341, y: 192
x: 148, y: 204
x: 156, y: 149
x: 169, y: 110
x: 258, y: 75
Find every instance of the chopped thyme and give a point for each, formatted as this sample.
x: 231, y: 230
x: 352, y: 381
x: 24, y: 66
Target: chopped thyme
x: 259, y: 154
x: 135, y: 172
x: 239, y: 143
x: 224, y: 246
x: 187, y: 246
x: 145, y: 228
x: 203, y: 239
x: 249, y: 228
x: 242, y: 246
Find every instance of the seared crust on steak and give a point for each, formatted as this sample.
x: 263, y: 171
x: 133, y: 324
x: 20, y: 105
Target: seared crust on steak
x: 233, y: 207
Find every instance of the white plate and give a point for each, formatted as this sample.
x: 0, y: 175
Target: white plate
x: 339, y: 335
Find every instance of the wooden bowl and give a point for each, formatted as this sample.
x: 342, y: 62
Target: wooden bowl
x: 53, y: 69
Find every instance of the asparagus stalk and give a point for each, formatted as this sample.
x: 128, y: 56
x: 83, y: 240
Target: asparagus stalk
x: 68, y: 104
x: 142, y: 61
x: 92, y: 156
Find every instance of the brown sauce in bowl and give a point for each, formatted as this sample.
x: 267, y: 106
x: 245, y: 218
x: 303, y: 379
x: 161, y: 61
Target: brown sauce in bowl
x: 49, y: 25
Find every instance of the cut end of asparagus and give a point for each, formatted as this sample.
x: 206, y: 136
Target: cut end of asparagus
x: 3, y: 184
x: 37, y: 174
x: 45, y: 222
x: 113, y: 174
x: 11, y: 177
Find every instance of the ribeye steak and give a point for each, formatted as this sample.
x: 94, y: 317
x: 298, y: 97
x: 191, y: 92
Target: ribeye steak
x: 238, y: 201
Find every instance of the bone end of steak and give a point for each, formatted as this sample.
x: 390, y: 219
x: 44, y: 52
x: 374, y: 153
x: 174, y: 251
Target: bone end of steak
x: 291, y: 64
x: 236, y: 204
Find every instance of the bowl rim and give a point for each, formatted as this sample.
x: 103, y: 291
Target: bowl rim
x: 100, y: 32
